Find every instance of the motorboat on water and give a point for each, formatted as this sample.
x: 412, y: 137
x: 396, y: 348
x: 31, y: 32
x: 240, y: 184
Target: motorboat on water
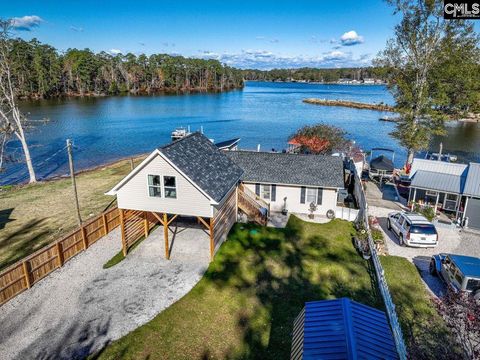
x: 180, y: 133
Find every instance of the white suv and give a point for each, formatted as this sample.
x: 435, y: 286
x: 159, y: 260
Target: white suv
x: 413, y: 229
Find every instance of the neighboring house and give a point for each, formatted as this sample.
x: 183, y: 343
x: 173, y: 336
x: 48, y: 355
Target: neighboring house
x: 341, y: 329
x: 189, y: 177
x: 450, y: 187
x: 292, y: 181
x: 228, y: 145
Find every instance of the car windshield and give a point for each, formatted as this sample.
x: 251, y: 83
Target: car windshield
x: 473, y: 284
x: 423, y: 229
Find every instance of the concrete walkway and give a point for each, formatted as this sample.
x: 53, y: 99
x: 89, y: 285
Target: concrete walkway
x: 81, y: 307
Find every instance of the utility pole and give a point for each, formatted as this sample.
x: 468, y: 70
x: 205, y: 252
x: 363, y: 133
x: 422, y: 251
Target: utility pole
x: 74, y: 184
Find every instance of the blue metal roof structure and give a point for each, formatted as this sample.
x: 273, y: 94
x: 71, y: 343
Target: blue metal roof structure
x: 468, y: 265
x: 438, y: 181
x: 342, y: 329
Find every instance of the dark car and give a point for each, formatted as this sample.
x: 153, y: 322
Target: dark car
x: 460, y: 272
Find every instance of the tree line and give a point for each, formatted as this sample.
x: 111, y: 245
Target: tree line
x: 40, y: 71
x: 314, y: 74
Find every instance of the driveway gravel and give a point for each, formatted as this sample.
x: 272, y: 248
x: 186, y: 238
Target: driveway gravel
x: 81, y: 307
x: 450, y: 241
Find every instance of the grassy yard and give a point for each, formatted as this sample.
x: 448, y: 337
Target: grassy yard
x: 245, y: 304
x: 425, y: 332
x: 34, y: 215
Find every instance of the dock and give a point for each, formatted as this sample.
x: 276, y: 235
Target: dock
x: 350, y: 104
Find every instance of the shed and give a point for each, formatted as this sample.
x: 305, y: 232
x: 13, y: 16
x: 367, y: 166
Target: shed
x: 341, y: 329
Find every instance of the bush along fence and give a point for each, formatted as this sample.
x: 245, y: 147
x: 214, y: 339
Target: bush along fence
x: 31, y: 269
x: 379, y: 272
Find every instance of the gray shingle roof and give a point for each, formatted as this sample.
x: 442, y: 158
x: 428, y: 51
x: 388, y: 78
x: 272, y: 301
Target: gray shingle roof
x: 472, y: 184
x: 204, y: 164
x: 438, y: 181
x: 292, y: 169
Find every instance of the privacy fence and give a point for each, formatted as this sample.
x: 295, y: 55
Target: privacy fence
x: 382, y: 282
x: 31, y: 269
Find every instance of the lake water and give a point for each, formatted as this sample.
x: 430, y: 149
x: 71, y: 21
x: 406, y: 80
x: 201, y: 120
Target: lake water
x: 111, y: 128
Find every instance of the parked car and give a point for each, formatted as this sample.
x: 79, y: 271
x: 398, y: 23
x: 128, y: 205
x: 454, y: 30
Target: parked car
x: 412, y: 229
x: 460, y: 272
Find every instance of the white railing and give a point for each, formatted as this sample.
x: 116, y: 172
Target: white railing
x: 346, y: 213
x: 359, y: 193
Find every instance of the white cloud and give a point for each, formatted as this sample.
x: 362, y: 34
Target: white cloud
x: 115, y: 51
x: 26, y: 23
x: 351, y: 38
x: 263, y: 59
x: 76, y: 29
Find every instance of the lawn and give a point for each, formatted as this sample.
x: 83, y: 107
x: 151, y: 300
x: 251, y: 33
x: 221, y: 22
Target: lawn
x: 424, y: 330
x: 34, y: 215
x: 245, y: 304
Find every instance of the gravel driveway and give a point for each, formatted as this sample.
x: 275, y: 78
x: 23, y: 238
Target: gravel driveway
x: 450, y: 241
x: 81, y: 307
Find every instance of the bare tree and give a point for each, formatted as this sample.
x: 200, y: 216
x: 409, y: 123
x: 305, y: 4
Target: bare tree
x: 12, y: 121
x: 461, y: 312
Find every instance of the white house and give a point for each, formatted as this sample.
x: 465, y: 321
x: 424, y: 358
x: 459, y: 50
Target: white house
x: 189, y: 177
x: 292, y: 181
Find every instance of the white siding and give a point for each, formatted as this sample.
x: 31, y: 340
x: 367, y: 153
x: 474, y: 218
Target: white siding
x: 189, y: 201
x: 292, y: 193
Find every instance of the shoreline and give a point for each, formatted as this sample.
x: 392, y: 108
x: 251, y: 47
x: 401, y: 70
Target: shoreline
x: 349, y: 104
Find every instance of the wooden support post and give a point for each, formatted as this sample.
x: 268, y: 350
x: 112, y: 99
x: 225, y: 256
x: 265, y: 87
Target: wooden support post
x: 145, y: 223
x: 165, y: 235
x: 84, y: 238
x: 122, y: 228
x: 59, y: 247
x: 27, y: 274
x: 212, y: 244
x: 105, y: 223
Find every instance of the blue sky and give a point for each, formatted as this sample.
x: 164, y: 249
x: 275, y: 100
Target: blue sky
x: 246, y: 34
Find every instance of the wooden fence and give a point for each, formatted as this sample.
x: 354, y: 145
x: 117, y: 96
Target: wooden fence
x: 31, y: 269
x: 136, y: 224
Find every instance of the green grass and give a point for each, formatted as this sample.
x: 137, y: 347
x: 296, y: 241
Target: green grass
x: 425, y: 331
x: 32, y: 216
x: 245, y: 304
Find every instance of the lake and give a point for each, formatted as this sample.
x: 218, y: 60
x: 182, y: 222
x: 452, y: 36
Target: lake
x: 110, y: 128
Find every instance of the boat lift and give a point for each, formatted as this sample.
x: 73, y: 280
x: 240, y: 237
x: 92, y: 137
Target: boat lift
x: 381, y: 168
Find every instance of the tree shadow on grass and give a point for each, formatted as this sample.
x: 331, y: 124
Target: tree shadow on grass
x: 25, y: 240
x: 280, y: 270
x: 5, y: 217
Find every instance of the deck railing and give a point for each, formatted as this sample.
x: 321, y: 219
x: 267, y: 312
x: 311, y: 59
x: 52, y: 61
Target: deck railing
x: 252, y: 208
x: 379, y: 272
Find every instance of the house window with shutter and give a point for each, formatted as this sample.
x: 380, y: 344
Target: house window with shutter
x: 311, y: 195
x: 154, y: 186
x: 265, y: 192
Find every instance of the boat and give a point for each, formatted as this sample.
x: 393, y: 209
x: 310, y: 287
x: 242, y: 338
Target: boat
x: 180, y: 133
x: 381, y: 167
x: 389, y: 118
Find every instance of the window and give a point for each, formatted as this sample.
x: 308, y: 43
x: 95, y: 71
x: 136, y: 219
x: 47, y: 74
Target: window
x: 450, y: 202
x: 473, y: 285
x: 170, y: 187
x: 265, y: 192
x: 431, y: 193
x: 154, y: 186
x: 311, y: 195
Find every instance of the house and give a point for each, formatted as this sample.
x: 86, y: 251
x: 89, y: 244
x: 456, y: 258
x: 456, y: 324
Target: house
x: 450, y: 187
x: 341, y: 329
x: 291, y: 181
x: 193, y: 178
x: 189, y: 177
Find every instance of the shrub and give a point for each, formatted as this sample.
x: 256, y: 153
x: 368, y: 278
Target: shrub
x: 377, y: 236
x: 426, y: 211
